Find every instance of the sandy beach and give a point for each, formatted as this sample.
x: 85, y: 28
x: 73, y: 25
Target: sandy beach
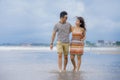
x: 35, y: 64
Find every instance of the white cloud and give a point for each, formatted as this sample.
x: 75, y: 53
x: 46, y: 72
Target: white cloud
x: 36, y: 18
x: 72, y: 7
x: 102, y: 19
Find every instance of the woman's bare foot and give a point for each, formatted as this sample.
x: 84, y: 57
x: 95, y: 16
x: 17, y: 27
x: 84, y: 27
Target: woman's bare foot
x: 74, y: 69
x: 64, y: 70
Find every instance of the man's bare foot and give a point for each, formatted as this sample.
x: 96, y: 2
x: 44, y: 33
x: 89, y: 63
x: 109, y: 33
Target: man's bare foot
x: 78, y: 70
x: 60, y: 70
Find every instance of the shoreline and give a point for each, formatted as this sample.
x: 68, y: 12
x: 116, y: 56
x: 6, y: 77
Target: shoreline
x: 46, y: 49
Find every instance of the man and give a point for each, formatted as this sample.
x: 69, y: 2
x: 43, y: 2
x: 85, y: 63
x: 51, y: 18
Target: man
x: 62, y: 28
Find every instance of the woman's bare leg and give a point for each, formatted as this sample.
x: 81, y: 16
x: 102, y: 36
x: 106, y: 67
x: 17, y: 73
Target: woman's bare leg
x: 73, y: 62
x: 79, y: 62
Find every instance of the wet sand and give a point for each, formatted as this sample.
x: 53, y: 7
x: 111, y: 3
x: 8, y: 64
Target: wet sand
x: 37, y: 65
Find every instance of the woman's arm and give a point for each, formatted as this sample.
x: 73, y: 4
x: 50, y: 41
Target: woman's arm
x: 84, y: 36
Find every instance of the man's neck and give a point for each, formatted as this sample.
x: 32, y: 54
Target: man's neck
x: 62, y: 22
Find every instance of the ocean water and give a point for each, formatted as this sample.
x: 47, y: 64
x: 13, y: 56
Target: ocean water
x: 42, y: 65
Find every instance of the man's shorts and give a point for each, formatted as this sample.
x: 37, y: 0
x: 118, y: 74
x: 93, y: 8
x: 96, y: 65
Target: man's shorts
x: 63, y: 48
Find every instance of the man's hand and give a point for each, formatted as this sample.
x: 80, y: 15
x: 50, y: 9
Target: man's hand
x: 51, y: 46
x: 52, y: 40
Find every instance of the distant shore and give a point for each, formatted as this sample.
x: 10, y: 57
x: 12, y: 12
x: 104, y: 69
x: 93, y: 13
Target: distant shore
x: 98, y: 50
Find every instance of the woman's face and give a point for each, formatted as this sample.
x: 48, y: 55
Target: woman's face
x: 77, y: 22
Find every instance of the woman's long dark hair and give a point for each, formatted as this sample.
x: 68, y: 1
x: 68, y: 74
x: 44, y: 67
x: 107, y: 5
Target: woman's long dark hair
x: 82, y: 22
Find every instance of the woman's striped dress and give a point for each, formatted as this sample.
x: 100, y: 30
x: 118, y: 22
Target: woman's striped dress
x: 76, y: 45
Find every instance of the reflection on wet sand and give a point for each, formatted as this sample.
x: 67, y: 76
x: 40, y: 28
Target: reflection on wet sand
x: 69, y: 75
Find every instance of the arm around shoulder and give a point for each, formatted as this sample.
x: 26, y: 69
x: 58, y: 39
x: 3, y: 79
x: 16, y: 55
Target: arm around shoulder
x: 71, y: 28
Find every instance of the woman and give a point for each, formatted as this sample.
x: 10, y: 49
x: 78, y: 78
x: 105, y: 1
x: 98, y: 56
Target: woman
x: 77, y: 42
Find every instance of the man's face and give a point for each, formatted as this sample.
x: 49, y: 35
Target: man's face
x: 65, y: 18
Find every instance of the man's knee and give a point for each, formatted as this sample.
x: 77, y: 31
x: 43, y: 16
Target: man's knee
x: 66, y: 57
x: 60, y: 55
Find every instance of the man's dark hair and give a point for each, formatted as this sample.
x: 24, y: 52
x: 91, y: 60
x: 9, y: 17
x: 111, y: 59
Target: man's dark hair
x: 63, y: 13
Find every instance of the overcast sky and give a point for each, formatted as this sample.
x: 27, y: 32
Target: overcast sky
x: 26, y: 21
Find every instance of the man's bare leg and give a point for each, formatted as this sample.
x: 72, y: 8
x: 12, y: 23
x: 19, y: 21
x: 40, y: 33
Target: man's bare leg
x: 60, y: 61
x: 65, y: 61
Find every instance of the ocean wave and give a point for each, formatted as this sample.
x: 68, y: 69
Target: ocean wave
x: 47, y: 49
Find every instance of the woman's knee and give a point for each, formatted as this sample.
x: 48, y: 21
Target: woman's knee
x: 79, y: 57
x: 72, y: 57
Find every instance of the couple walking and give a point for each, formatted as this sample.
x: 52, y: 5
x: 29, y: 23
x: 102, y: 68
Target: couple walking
x: 76, y: 45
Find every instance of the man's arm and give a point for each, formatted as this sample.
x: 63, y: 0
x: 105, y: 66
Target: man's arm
x: 71, y: 28
x: 52, y: 39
